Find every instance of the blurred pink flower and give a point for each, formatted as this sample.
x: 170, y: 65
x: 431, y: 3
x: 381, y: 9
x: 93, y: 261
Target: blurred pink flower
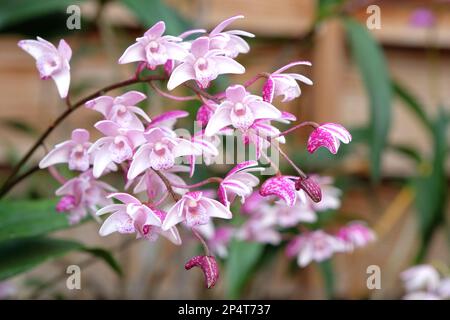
x: 422, y: 18
x: 203, y: 64
x: 261, y: 227
x: 328, y: 135
x: 355, y: 235
x: 82, y: 195
x: 117, y: 146
x: 238, y: 182
x: 420, y: 277
x: 230, y: 41
x: 131, y: 216
x: 154, y: 49
x: 285, y: 84
x: 208, y: 265
x: 315, y: 246
x: 240, y: 109
x: 73, y: 151
x: 51, y: 62
x: 121, y: 110
x: 195, y: 209
x: 217, y: 239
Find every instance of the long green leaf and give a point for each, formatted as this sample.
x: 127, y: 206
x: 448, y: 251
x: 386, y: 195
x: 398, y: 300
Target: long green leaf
x: 150, y: 12
x: 17, y: 11
x: 107, y: 257
x: 20, y: 255
x: 29, y: 218
x: 431, y: 189
x: 242, y: 260
x: 371, y: 62
x: 413, y: 103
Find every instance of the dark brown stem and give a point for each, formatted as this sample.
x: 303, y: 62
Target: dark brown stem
x: 7, y: 185
x: 168, y: 185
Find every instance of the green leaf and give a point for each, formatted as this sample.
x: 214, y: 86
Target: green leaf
x: 407, y: 151
x: 413, y: 103
x: 326, y: 268
x: 371, y: 62
x: 19, y: 126
x: 20, y: 255
x: 150, y: 12
x: 431, y: 189
x: 29, y: 218
x: 17, y: 11
x: 107, y: 257
x: 242, y: 260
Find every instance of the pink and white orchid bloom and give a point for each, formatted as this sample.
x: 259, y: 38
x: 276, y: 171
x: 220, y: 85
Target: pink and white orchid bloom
x: 420, y: 277
x: 285, y: 84
x: 122, y: 109
x: 131, y: 216
x: 155, y: 49
x: 208, y: 147
x: 230, y: 41
x: 238, y: 182
x: 73, y: 151
x: 203, y: 65
x: 240, y: 109
x: 261, y: 227
x: 355, y: 235
x: 195, y: 208
x: 116, y: 147
x: 330, y: 136
x: 82, y: 195
x: 50, y: 61
x: 160, y: 151
x: 315, y: 246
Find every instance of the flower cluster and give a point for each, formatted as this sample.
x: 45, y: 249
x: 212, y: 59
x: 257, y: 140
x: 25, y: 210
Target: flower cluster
x: 424, y: 282
x: 155, y: 199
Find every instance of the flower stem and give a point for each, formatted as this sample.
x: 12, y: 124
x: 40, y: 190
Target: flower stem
x: 198, y: 184
x: 299, y: 171
x: 303, y: 124
x: 203, y: 242
x: 168, y: 185
x: 169, y: 96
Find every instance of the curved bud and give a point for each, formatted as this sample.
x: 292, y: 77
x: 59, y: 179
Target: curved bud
x: 208, y: 264
x: 311, y: 187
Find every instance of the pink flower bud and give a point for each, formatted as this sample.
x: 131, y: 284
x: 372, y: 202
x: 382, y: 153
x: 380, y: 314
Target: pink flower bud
x: 204, y: 113
x: 208, y: 264
x: 282, y: 187
x: 311, y: 187
x: 66, y: 203
x: 168, y: 67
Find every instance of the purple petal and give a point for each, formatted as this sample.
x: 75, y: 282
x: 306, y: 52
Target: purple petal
x: 209, y: 267
x: 322, y: 138
x: 130, y: 98
x: 281, y: 187
x: 268, y: 90
x: 200, y: 47
x: 80, y: 135
x: 242, y: 165
x: 219, y: 28
x: 236, y: 93
x: 168, y: 116
x: 156, y: 31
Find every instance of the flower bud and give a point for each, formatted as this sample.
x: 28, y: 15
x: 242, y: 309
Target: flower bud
x: 208, y: 264
x: 311, y: 188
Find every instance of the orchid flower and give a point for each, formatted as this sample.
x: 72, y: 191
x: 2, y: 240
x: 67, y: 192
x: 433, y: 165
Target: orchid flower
x: 82, y: 195
x: 355, y: 235
x: 116, y: 147
x: 51, y: 62
x: 203, y: 65
x: 131, y: 216
x: 240, y: 109
x: 121, y: 110
x: 73, y: 151
x: 328, y: 135
x: 285, y: 84
x: 238, y: 182
x: 195, y: 209
x: 420, y: 277
x: 159, y: 151
x: 315, y: 246
x: 154, y: 49
x: 230, y: 41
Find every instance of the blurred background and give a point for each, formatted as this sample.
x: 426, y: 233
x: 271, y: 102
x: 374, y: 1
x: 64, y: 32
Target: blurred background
x: 389, y: 85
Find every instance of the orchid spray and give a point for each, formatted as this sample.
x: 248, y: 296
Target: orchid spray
x: 155, y: 199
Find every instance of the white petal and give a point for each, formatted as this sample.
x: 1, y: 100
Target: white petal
x: 62, y: 80
x: 133, y: 53
x: 219, y: 120
x: 181, y: 74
